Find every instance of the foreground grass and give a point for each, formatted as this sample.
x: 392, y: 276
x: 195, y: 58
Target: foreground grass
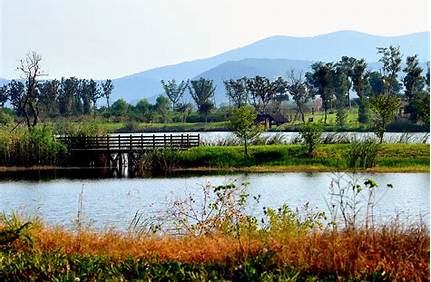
x: 388, y: 253
x: 278, y: 158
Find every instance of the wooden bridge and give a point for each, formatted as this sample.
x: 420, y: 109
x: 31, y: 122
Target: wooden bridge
x: 123, y: 150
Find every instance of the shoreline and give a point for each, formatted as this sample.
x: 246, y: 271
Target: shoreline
x: 251, y: 169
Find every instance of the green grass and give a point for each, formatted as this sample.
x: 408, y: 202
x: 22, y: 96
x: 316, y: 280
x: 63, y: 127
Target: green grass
x: 397, y: 157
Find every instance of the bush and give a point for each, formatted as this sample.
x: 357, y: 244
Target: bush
x: 310, y: 133
x: 362, y: 154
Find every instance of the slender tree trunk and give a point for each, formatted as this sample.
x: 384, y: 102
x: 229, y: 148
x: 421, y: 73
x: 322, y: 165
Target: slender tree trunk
x: 245, y: 147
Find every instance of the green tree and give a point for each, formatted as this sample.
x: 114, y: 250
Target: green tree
x: 341, y: 85
x: 375, y: 81
x: 94, y: 93
x: 174, y: 91
x: 346, y: 64
x: 162, y: 107
x: 68, y: 99
x: 4, y: 95
x: 360, y: 84
x: 16, y: 94
x: 107, y: 88
x: 263, y: 91
x: 236, y: 90
x: 85, y: 96
x: 414, y: 84
x: 241, y: 122
x: 120, y: 108
x: 320, y: 81
x: 384, y: 108
x: 391, y: 60
x: 49, y: 91
x: 202, y: 92
x: 143, y: 110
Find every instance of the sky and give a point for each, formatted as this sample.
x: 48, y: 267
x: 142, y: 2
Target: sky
x: 112, y: 38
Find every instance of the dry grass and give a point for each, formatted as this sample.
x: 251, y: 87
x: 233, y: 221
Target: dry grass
x: 400, y: 253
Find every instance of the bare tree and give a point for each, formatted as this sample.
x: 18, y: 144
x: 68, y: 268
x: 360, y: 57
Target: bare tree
x: 29, y: 104
x: 298, y: 89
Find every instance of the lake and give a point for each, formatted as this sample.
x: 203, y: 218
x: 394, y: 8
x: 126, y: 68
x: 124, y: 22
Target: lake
x: 54, y: 195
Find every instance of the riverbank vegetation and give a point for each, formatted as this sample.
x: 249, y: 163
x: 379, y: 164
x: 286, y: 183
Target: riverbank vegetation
x: 326, y: 157
x: 219, y: 241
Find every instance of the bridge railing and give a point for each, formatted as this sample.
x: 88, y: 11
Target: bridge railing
x: 131, y: 142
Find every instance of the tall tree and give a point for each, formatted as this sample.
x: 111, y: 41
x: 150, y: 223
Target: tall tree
x: 414, y: 84
x: 341, y: 86
x: 360, y: 82
x: 299, y: 92
x: 162, y: 107
x: 384, y: 109
x: 346, y: 64
x: 202, y: 92
x: 16, y: 93
x: 262, y: 91
x: 31, y: 71
x: 320, y: 81
x: 69, y: 100
x: 236, y: 90
x: 376, y: 83
x: 107, y: 88
x: 391, y: 60
x: 94, y: 93
x: 174, y: 91
x: 85, y: 96
x: 49, y: 91
x: 4, y: 93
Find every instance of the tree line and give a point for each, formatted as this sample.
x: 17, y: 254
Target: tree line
x: 332, y: 82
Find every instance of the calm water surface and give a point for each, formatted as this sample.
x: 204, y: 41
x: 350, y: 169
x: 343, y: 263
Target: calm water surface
x: 114, y: 201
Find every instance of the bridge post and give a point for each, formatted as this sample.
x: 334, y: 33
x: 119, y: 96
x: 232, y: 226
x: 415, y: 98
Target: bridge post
x: 154, y: 141
x: 130, y: 141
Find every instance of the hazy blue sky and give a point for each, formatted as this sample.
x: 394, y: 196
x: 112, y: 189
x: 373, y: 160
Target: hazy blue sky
x: 112, y: 38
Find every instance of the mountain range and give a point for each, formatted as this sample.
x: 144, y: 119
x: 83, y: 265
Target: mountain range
x: 271, y: 57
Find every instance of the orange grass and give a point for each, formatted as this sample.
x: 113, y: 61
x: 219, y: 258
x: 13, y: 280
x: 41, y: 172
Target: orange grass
x: 400, y: 252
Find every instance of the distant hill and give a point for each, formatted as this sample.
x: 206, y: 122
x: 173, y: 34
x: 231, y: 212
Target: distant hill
x: 271, y: 68
x: 284, y: 50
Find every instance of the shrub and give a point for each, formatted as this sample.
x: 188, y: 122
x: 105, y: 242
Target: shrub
x: 362, y: 154
x: 310, y: 133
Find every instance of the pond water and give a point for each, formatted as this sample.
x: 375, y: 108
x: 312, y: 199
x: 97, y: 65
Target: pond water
x: 112, y: 202
x: 213, y: 137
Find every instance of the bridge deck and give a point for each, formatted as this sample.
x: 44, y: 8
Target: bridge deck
x: 130, y: 143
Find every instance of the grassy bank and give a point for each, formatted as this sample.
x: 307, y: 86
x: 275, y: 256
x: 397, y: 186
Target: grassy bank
x: 389, y: 253
x: 327, y: 157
